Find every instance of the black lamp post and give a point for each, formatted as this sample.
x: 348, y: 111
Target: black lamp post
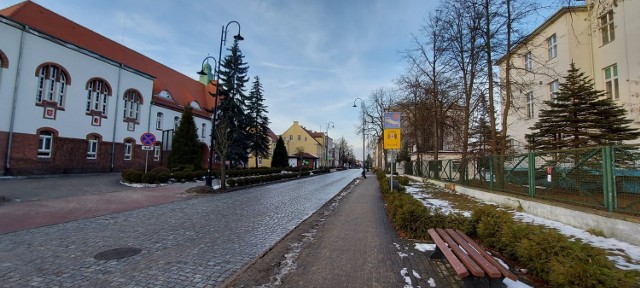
x: 363, y: 124
x: 213, y: 121
x: 326, y: 143
x: 223, y: 39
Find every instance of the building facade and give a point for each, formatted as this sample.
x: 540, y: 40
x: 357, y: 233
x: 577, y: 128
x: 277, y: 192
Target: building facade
x: 602, y: 40
x: 74, y: 101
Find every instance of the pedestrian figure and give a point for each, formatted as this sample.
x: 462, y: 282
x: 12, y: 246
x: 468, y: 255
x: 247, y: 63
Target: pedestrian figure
x: 364, y: 175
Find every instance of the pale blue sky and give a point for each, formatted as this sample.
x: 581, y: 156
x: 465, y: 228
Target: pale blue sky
x: 314, y: 57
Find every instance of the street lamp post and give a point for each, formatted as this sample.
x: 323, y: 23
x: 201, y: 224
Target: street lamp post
x: 223, y: 40
x: 208, y: 180
x: 326, y: 143
x: 363, y: 125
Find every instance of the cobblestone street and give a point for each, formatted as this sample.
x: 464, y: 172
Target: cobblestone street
x: 192, y: 243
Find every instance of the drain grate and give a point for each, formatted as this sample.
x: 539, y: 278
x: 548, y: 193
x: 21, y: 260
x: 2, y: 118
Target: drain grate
x: 117, y: 253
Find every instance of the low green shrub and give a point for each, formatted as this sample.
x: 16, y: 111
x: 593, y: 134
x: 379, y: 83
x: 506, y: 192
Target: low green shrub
x: 135, y: 176
x: 179, y: 176
x: 163, y: 177
x: 159, y: 170
x: 232, y: 182
x: 149, y: 178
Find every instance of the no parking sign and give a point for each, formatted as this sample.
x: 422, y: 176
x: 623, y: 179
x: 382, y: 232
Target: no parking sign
x: 148, y: 139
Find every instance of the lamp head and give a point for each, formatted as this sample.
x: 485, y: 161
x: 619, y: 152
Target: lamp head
x: 201, y: 72
x: 354, y: 105
x: 238, y: 37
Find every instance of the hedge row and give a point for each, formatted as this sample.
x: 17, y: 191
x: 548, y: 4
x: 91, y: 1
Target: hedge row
x: 243, y: 181
x: 159, y: 175
x: 545, y: 252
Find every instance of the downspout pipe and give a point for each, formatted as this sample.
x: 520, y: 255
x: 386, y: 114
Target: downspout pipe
x: 115, y: 121
x: 7, y: 165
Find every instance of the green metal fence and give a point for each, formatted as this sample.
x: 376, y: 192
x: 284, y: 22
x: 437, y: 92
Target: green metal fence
x: 606, y: 178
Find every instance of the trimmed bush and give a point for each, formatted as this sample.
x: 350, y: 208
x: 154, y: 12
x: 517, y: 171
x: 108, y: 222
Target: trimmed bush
x: 163, y: 177
x: 135, y: 176
x: 159, y: 170
x: 149, y: 178
x: 179, y: 176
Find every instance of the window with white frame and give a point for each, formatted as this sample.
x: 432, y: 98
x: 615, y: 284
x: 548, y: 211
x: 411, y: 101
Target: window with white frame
x: 299, y: 137
x: 607, y: 28
x: 45, y: 144
x: 52, y: 84
x: 159, y: 120
x: 290, y: 137
x: 176, y: 123
x: 203, y: 132
x: 132, y: 102
x: 554, y: 87
x: 92, y: 149
x: 98, y: 92
x: 552, y: 47
x: 128, y: 149
x: 156, y: 152
x: 530, y: 105
x: 528, y: 65
x: 611, y: 81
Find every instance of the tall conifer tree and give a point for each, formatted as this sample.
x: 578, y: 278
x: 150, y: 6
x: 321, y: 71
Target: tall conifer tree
x: 259, y: 122
x: 580, y: 116
x: 186, y: 149
x: 233, y: 78
x: 280, y: 157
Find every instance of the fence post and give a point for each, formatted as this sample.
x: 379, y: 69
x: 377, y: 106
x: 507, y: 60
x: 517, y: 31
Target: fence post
x: 532, y: 174
x: 491, y: 158
x: 608, y: 178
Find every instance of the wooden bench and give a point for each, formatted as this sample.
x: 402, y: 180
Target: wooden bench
x: 468, y: 259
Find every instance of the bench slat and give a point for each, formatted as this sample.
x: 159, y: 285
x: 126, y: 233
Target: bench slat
x: 488, y: 268
x: 472, y: 266
x: 455, y: 263
x: 505, y: 272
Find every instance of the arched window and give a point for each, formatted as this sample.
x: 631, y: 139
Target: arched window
x: 132, y: 102
x: 52, y: 84
x: 98, y: 91
x: 128, y: 149
x: 176, y: 123
x: 92, y: 148
x: 159, y: 120
x: 45, y: 144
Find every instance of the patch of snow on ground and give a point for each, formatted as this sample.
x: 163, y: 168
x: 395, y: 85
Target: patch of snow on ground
x: 442, y: 205
x: 416, y: 274
x: 407, y: 279
x: 612, y: 245
x: 423, y: 247
x: 402, y: 254
x: 431, y: 282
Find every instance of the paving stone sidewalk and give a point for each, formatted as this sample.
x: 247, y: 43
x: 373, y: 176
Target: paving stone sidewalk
x: 358, y: 247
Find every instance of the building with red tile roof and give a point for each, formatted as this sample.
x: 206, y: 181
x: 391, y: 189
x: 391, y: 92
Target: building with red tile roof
x: 66, y: 89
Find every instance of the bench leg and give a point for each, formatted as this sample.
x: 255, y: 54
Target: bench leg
x: 437, y: 254
x: 496, y: 282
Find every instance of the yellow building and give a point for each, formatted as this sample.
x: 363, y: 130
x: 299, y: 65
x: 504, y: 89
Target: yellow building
x: 299, y: 139
x: 264, y: 162
x: 601, y: 38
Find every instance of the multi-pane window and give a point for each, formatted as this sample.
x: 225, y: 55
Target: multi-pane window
x: 128, y: 149
x: 176, y: 123
x: 552, y: 47
x: 554, y: 87
x: 203, y: 132
x: 528, y: 65
x: 607, y: 28
x: 611, y: 81
x: 530, y: 105
x: 132, y: 102
x: 159, y: 120
x: 45, y: 144
x: 156, y: 152
x: 92, y: 149
x: 52, y: 85
x: 98, y: 92
x: 290, y: 137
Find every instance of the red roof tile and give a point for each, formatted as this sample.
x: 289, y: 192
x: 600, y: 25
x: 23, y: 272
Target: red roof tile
x: 183, y: 89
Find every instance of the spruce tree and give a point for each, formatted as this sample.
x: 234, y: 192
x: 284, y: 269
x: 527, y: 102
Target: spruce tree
x: 580, y: 116
x: 186, y: 149
x: 259, y: 122
x: 233, y: 77
x: 280, y: 157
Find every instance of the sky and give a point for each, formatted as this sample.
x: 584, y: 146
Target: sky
x: 314, y: 58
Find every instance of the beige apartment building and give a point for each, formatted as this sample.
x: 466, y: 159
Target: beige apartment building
x: 601, y: 38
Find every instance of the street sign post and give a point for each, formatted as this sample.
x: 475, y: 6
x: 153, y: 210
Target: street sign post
x: 148, y: 140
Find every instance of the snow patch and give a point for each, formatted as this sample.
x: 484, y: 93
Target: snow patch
x: 432, y: 283
x: 424, y: 247
x: 407, y: 279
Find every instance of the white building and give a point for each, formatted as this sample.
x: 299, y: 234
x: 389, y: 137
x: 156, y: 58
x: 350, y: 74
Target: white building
x: 601, y: 38
x: 74, y: 101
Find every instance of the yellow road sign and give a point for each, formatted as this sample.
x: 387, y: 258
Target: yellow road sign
x: 392, y: 138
